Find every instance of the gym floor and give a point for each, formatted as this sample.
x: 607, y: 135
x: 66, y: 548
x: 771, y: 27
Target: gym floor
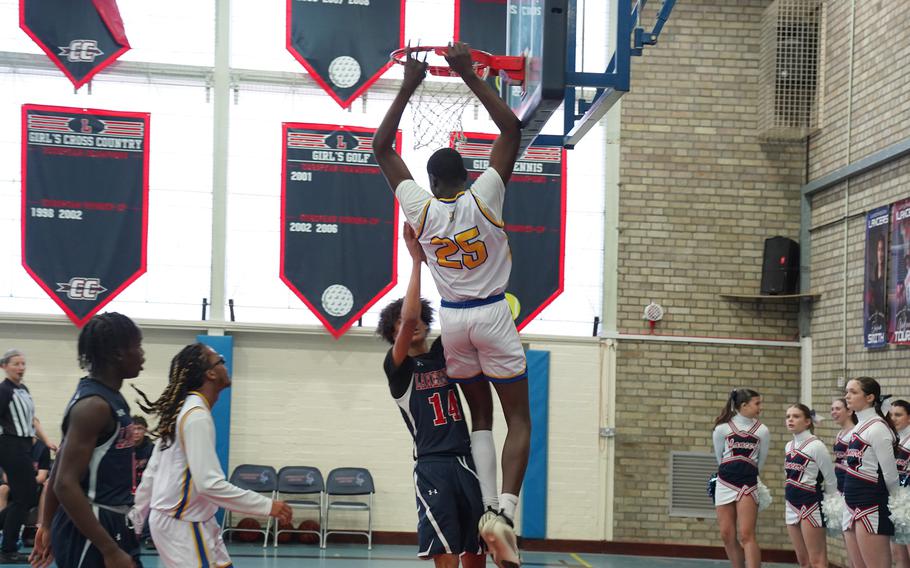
x: 387, y: 556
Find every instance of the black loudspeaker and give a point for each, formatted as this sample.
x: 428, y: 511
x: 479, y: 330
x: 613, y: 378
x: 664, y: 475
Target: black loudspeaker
x: 780, y: 266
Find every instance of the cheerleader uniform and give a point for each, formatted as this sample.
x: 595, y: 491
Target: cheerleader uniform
x: 871, y: 474
x: 840, y: 458
x: 808, y: 468
x: 740, y: 446
x: 902, y: 456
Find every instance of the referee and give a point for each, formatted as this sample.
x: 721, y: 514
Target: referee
x: 17, y: 427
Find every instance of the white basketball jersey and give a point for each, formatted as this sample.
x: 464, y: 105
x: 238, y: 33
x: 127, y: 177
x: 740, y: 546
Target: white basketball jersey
x: 463, y: 237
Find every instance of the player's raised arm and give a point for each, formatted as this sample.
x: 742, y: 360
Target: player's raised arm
x: 391, y: 164
x: 505, y: 148
x: 411, y: 307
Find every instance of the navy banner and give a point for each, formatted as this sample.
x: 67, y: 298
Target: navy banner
x: 81, y: 37
x: 899, y: 285
x: 482, y: 24
x: 84, y: 203
x: 338, y: 222
x: 535, y: 213
x: 345, y: 44
x: 875, y: 297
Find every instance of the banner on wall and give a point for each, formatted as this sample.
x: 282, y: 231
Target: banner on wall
x: 482, y: 24
x: 899, y: 285
x: 345, y: 46
x: 84, y: 203
x: 535, y: 213
x: 338, y: 222
x: 81, y: 37
x: 875, y: 296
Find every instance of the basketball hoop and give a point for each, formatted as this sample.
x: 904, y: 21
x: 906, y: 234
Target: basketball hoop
x: 484, y: 63
x: 437, y: 108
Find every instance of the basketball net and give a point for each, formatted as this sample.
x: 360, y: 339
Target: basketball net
x: 437, y: 110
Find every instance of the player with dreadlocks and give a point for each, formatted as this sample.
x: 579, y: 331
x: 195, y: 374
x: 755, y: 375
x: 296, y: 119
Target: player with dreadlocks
x: 93, y: 475
x: 183, y: 484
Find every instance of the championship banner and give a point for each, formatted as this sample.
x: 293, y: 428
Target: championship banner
x: 81, y: 37
x: 84, y: 203
x: 535, y: 215
x: 345, y: 44
x: 875, y: 298
x: 482, y: 24
x: 899, y: 286
x: 338, y: 222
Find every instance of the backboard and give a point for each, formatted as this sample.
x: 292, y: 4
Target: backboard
x: 577, y: 55
x: 536, y: 30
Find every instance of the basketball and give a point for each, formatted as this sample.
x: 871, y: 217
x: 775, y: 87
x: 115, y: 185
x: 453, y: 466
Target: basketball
x: 247, y: 523
x: 285, y: 537
x: 308, y: 538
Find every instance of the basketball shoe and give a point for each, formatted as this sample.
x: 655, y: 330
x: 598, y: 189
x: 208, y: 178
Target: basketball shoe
x: 498, y: 532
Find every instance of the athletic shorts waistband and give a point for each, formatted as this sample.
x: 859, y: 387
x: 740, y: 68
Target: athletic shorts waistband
x: 473, y: 303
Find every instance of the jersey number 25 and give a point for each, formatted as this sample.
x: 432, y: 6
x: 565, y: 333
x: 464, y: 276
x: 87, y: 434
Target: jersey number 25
x: 474, y: 253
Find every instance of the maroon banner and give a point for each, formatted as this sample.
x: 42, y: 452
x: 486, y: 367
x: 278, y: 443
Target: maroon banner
x: 338, y: 222
x: 81, y: 37
x: 345, y: 44
x: 899, y: 285
x: 84, y: 204
x: 534, y: 212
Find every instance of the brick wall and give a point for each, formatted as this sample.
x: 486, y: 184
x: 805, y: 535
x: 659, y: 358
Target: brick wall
x: 699, y: 192
x: 878, y: 117
x: 679, y: 389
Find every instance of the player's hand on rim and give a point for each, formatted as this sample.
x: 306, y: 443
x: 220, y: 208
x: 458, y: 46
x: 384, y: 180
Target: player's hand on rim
x: 458, y: 55
x: 415, y: 70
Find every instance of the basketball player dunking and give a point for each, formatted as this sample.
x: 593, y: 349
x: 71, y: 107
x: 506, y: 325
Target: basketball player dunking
x: 462, y: 233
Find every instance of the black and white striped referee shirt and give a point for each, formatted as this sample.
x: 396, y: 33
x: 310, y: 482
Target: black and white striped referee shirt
x: 17, y: 410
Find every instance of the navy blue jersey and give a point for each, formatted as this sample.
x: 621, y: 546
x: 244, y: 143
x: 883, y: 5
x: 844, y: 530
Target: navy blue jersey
x: 430, y: 405
x: 840, y: 461
x: 804, y: 481
x: 739, y: 465
x: 109, y: 480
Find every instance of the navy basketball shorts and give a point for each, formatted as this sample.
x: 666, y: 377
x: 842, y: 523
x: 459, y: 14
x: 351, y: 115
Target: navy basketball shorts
x: 449, y: 505
x: 73, y: 550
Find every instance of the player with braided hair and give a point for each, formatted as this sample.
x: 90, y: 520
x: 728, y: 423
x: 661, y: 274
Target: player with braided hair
x: 93, y: 475
x: 184, y: 485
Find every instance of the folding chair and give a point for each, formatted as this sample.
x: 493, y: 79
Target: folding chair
x: 301, y: 480
x: 258, y: 478
x: 347, y: 482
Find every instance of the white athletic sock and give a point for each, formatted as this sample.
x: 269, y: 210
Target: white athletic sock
x: 483, y: 450
x: 509, y: 503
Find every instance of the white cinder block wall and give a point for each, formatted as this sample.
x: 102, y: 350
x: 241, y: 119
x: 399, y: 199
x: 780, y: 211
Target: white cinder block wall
x: 306, y: 399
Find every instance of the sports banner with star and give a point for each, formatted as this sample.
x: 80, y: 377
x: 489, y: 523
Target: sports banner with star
x: 534, y: 212
x: 344, y: 44
x: 84, y: 203
x: 81, y: 37
x: 338, y: 222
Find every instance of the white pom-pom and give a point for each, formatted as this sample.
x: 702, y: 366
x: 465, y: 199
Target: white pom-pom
x: 834, y: 508
x: 764, y: 496
x: 899, y: 504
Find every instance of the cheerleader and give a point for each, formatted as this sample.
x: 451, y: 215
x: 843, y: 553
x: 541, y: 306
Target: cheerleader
x: 740, y: 446
x: 846, y: 419
x: 900, y: 418
x: 808, y: 468
x: 871, y: 474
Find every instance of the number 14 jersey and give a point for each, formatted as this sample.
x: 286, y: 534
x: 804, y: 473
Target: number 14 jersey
x: 429, y: 404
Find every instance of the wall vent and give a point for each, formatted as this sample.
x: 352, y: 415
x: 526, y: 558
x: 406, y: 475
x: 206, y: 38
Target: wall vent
x: 689, y: 474
x: 790, y: 70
